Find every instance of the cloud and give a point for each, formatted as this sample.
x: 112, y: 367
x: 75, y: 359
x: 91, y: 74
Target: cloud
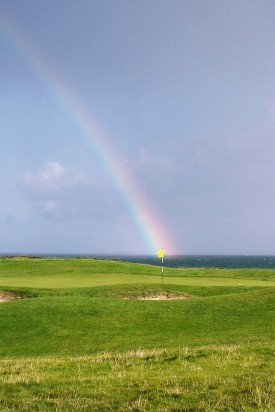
x: 66, y: 211
x: 60, y: 194
x: 52, y: 181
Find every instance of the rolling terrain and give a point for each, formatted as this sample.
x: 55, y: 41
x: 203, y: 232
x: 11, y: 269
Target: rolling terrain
x: 90, y: 334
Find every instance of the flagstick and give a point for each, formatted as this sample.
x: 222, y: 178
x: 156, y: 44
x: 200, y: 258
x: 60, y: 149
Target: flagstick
x: 160, y: 254
x: 162, y: 266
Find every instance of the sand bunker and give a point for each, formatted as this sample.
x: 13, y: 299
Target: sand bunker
x: 165, y: 296
x: 6, y: 296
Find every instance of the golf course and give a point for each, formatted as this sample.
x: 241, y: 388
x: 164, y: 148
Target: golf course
x: 83, y: 334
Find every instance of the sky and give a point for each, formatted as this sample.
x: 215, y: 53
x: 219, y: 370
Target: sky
x: 127, y: 126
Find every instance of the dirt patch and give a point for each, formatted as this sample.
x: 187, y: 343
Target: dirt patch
x: 6, y: 296
x: 165, y: 296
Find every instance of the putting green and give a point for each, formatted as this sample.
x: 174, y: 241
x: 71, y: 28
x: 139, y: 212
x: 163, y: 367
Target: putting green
x: 101, y: 279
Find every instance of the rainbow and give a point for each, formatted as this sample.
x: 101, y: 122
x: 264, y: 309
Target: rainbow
x: 149, y: 226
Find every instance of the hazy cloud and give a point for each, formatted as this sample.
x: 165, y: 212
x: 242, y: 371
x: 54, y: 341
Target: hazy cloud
x: 58, y: 193
x: 52, y: 180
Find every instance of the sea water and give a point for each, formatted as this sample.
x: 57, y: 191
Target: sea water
x: 191, y: 261
x: 213, y: 261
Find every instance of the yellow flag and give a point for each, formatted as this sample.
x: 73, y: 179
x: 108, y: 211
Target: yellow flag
x: 160, y: 253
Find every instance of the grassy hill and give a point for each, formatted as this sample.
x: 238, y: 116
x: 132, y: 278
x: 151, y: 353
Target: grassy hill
x: 84, y: 339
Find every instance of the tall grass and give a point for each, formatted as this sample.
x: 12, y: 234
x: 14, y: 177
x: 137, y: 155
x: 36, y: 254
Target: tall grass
x: 216, y: 378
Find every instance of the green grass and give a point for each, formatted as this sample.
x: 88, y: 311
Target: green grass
x: 228, y: 378
x: 84, y: 341
x: 71, y: 273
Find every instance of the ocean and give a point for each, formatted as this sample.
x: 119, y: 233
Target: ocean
x: 191, y: 261
x: 213, y: 261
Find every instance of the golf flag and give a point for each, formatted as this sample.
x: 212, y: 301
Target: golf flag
x: 160, y: 253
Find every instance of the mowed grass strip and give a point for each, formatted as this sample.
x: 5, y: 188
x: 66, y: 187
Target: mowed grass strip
x: 93, y: 280
x: 216, y: 378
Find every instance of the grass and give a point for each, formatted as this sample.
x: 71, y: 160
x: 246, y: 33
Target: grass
x: 85, y: 342
x: 81, y: 272
x: 215, y: 378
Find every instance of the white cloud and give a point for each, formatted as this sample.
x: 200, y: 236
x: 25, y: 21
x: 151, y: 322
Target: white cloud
x: 60, y: 194
x: 51, y: 181
x: 55, y: 191
x: 52, y: 171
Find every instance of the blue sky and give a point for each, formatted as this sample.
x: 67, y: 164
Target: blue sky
x: 185, y: 93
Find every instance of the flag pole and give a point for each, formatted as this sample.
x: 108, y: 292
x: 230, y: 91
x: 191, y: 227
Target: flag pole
x: 160, y: 255
x: 162, y: 266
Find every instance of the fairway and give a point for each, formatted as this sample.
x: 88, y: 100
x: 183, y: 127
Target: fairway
x: 92, y: 280
x: 84, y: 338
x: 89, y: 273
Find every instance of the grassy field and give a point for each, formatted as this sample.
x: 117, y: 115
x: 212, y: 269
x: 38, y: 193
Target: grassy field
x: 84, y: 340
